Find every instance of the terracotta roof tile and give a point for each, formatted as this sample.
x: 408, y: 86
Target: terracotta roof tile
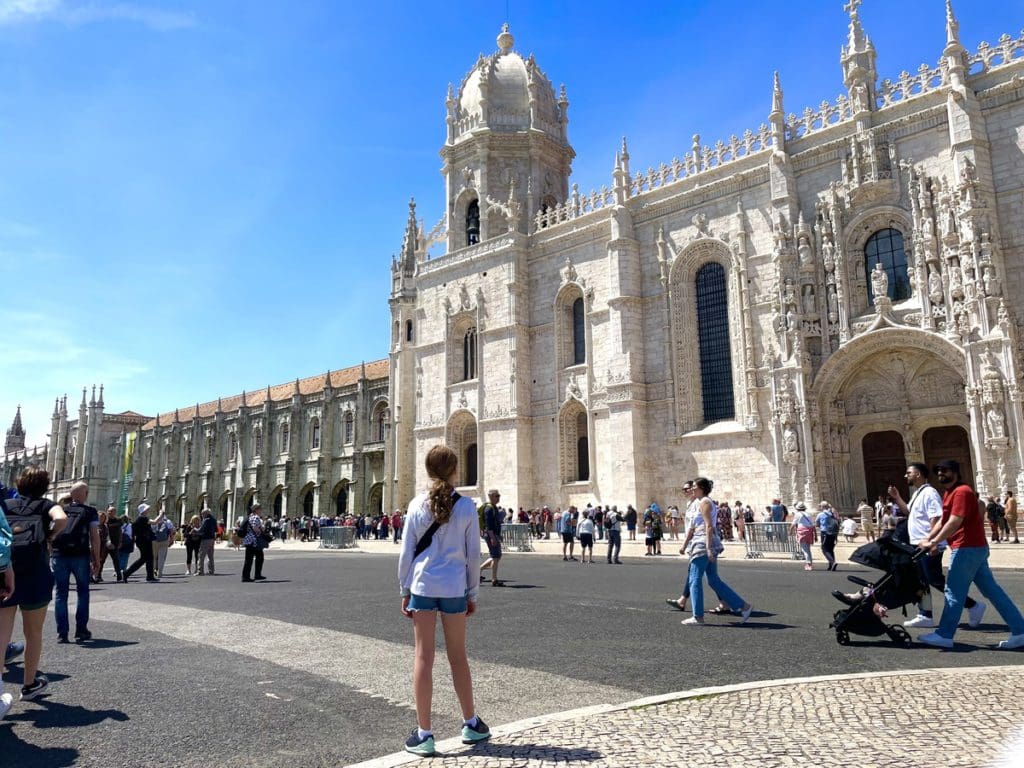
x: 343, y: 377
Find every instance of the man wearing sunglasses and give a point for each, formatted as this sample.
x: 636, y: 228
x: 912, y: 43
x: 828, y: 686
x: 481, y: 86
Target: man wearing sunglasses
x: 963, y: 527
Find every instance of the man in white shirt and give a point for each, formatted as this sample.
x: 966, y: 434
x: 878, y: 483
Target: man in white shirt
x: 924, y: 516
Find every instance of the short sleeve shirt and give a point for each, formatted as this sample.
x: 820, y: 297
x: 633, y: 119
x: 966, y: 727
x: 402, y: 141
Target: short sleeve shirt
x: 962, y: 501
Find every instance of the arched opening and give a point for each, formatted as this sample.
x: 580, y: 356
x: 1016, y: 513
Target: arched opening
x: 375, y: 499
x: 885, y: 247
x: 277, y: 501
x: 469, y: 355
x: 225, y: 501
x: 286, y: 437
x: 471, y: 462
x: 713, y: 342
x: 574, y: 442
x: 579, y: 337
x: 460, y: 434
x: 349, y: 427
x: 257, y: 442
x: 473, y: 222
x: 341, y: 499
x: 949, y: 442
x: 884, y: 463
x: 582, y: 448
x: 314, y: 434
x: 308, y: 503
x: 408, y: 330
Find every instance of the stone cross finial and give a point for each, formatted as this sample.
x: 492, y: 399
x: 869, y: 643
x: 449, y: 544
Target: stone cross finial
x: 505, y: 39
x: 851, y: 7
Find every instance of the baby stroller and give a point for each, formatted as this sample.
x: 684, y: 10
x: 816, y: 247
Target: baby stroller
x: 900, y: 585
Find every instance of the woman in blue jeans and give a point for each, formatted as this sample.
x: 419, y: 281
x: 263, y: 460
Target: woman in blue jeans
x: 704, y: 548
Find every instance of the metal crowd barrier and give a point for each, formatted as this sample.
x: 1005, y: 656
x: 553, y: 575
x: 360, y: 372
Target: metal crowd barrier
x: 770, y: 537
x: 337, y: 537
x: 516, y: 536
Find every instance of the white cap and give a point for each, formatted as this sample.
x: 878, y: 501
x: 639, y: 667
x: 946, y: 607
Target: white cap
x: 143, y: 508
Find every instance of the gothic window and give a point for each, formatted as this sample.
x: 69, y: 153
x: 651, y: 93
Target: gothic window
x: 574, y: 437
x: 713, y: 343
x: 582, y: 448
x: 579, y: 341
x: 469, y: 355
x: 471, y: 460
x: 349, y: 427
x: 314, y: 434
x: 286, y: 434
x: 383, y: 422
x: 341, y: 501
x: 188, y: 453
x: 408, y: 330
x: 886, y: 247
x: 278, y: 505
x: 257, y: 442
x: 209, y: 449
x: 307, y: 503
x: 234, y: 447
x: 473, y: 223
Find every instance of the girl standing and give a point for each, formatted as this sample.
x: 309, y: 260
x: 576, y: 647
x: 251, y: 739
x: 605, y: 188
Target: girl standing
x: 437, y: 573
x: 703, y: 549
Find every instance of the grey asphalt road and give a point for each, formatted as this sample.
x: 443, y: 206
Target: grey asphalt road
x: 311, y: 668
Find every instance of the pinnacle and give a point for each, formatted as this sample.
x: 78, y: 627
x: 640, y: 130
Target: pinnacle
x: 505, y: 39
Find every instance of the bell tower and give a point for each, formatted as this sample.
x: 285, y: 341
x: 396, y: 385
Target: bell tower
x: 507, y: 153
x: 15, y: 435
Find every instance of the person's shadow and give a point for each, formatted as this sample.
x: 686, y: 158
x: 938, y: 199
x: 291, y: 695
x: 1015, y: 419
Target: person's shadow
x: 54, y: 714
x: 25, y: 755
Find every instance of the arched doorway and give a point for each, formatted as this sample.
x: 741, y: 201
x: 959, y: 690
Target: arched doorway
x: 375, y: 501
x: 307, y: 503
x: 884, y: 463
x: 341, y: 499
x: 950, y: 442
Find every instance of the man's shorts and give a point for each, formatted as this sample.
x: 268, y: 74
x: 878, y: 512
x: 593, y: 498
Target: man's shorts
x: 493, y: 546
x: 442, y: 604
x: 33, y: 587
x: 587, y: 540
x: 568, y: 538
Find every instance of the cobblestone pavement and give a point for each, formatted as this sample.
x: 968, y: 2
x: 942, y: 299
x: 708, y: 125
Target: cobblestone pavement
x: 890, y: 720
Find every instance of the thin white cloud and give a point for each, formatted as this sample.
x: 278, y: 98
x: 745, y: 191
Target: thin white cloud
x: 32, y: 11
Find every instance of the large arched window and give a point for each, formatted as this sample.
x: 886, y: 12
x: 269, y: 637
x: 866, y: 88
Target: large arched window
x: 349, y: 428
x: 286, y: 435
x: 307, y: 503
x: 314, y: 434
x: 579, y: 339
x: 473, y: 223
x: 471, y: 464
x: 408, y: 330
x: 257, y: 442
x: 582, y: 448
x: 886, y: 247
x: 713, y: 342
x: 469, y: 355
x: 381, y: 424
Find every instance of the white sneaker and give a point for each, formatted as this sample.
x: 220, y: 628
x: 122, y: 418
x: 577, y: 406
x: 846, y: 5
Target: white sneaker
x: 6, y: 700
x: 975, y: 614
x: 922, y: 621
x: 935, y: 639
x: 1012, y: 642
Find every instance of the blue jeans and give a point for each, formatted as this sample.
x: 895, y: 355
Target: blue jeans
x: 614, y: 544
x: 698, y: 567
x: 64, y: 567
x: 969, y: 565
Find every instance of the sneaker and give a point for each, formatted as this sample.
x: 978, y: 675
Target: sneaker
x: 746, y: 613
x: 260, y: 578
x: 62, y: 639
x: 1012, y: 642
x: 975, y: 614
x: 471, y: 734
x: 808, y: 567
x: 922, y: 621
x: 935, y: 639
x: 693, y: 621
x: 14, y: 650
x: 82, y: 635
x: 6, y: 700
x: 418, y: 746
x: 29, y: 692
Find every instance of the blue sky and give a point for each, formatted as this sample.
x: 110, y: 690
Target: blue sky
x: 198, y: 198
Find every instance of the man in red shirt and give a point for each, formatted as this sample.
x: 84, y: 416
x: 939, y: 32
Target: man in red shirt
x: 963, y: 528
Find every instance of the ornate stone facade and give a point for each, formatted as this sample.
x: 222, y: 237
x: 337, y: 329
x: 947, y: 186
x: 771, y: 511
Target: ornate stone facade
x: 558, y: 343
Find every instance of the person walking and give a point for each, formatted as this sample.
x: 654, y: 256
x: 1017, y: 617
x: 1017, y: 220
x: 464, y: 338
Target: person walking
x: 254, y: 544
x: 207, y: 542
x: 492, y: 537
x: 192, y: 536
x: 613, y: 523
x: 586, y: 533
x: 803, y: 527
x: 963, y: 528
x: 76, y: 552
x: 924, y: 517
x: 113, y: 544
x: 568, y: 534
x: 703, y: 548
x: 1010, y: 505
x: 127, y: 545
x: 28, y: 583
x: 827, y: 523
x: 163, y: 538
x: 437, y: 574
x: 143, y: 535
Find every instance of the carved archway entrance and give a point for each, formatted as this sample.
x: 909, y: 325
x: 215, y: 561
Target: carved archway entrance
x: 950, y: 442
x: 884, y: 463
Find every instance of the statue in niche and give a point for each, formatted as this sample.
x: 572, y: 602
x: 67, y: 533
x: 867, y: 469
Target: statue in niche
x: 778, y: 322
x: 935, y: 286
x: 986, y: 248
x: 828, y: 253
x: 989, y: 365
x: 808, y: 300
x: 790, y: 319
x: 447, y: 305
x: 790, y: 444
x: 464, y: 296
x: 833, y: 305
x: 568, y: 272
x: 844, y: 437
x: 1003, y: 315
x: 956, y: 282
x: 804, y: 251
x: 989, y: 281
x: 879, y: 282
x: 996, y: 423
x: 789, y: 294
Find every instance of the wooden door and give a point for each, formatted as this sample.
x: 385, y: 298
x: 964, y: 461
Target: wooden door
x: 885, y: 464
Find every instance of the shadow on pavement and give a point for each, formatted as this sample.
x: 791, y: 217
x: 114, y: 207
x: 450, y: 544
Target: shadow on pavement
x: 16, y: 674
x: 753, y: 625
x: 53, y: 714
x: 25, y: 755
x: 103, y: 643
x: 548, y: 753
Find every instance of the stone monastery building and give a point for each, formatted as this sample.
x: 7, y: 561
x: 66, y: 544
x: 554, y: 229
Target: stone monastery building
x: 798, y: 311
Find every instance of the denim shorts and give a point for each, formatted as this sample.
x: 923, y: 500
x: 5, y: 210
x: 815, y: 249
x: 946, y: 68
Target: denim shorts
x: 442, y: 604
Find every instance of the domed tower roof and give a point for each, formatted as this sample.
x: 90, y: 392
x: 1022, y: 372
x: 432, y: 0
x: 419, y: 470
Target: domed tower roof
x: 506, y: 93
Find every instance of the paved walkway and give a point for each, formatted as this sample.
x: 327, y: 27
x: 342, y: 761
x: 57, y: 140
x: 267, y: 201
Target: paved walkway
x: 955, y: 718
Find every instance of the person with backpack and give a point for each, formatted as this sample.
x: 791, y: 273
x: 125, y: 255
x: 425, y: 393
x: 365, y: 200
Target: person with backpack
x: 127, y: 545
x: 76, y: 552
x: 163, y: 538
x: 437, y: 574
x: 143, y: 534
x: 490, y: 516
x: 828, y: 530
x: 112, y: 524
x: 255, y: 540
x: 803, y: 527
x: 207, y: 542
x: 33, y: 519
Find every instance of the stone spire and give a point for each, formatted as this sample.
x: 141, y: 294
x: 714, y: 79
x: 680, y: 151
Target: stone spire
x: 410, y: 242
x: 954, y: 54
x: 100, y: 402
x: 952, y: 26
x: 15, y: 435
x: 92, y: 399
x: 858, y: 59
x: 777, y: 117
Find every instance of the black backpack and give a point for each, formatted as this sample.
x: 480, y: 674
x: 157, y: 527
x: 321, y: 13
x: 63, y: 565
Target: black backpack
x: 29, y: 520
x: 74, y: 539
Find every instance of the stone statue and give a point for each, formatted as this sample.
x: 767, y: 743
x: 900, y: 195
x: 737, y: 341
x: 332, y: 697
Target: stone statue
x: 809, y: 300
x: 828, y: 252
x: 996, y: 423
x: 989, y: 366
x: 990, y: 282
x: 833, y: 305
x: 789, y: 294
x: 804, y: 251
x: 464, y: 296
x: 790, y: 444
x: 934, y: 286
x: 879, y: 282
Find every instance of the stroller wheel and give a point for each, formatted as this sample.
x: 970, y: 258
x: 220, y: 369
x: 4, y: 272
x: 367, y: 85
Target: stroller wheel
x: 900, y: 636
x: 842, y: 637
